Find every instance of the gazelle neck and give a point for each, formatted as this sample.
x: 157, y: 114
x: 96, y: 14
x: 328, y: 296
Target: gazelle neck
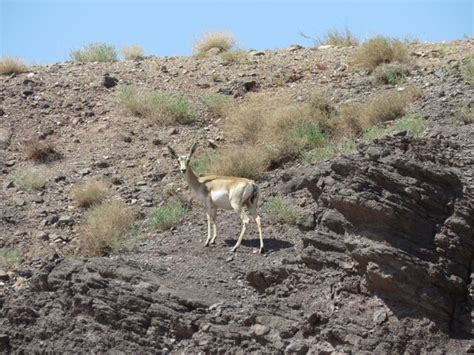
x: 192, y: 179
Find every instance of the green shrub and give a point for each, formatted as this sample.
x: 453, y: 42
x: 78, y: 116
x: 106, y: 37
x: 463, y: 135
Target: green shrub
x: 220, y: 40
x: 105, y: 228
x: 374, y: 132
x: 308, y: 133
x: 161, y: 108
x: 280, y: 211
x: 29, y: 178
x: 167, y: 216
x: 392, y: 74
x: 9, y: 259
x: 468, y: 69
x: 94, y: 52
x: 380, y: 50
x: 413, y: 123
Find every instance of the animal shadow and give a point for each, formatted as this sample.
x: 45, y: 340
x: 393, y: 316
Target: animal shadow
x: 269, y: 244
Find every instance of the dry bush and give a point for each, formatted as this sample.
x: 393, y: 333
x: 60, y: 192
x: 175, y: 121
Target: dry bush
x: 465, y: 114
x: 387, y: 106
x: 30, y: 178
x: 223, y: 41
x: 158, y: 107
x: 242, y: 161
x: 10, y: 65
x: 343, y: 39
x: 88, y: 193
x: 105, y: 228
x: 380, y: 50
x: 132, y: 52
x: 40, y: 151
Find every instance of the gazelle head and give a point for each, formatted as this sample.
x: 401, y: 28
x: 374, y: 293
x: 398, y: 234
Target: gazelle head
x: 183, y: 160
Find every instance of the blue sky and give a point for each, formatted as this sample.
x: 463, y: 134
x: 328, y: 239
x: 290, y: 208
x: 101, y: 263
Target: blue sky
x: 44, y: 31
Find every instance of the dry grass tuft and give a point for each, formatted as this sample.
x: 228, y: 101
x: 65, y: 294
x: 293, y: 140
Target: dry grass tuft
x: 40, y: 151
x: 133, y: 52
x: 88, y: 193
x: 10, y: 65
x: 230, y: 57
x: 9, y: 259
x: 223, y: 41
x: 380, y: 50
x: 29, y: 178
x: 342, y: 39
x: 161, y: 108
x: 105, y: 228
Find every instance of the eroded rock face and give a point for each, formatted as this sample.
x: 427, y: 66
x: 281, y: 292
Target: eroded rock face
x: 405, y: 219
x: 99, y: 305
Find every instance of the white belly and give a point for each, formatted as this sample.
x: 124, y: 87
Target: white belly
x: 220, y: 199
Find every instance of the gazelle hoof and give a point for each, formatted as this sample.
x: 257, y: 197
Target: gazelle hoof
x: 261, y: 251
x: 206, y: 244
x: 233, y: 250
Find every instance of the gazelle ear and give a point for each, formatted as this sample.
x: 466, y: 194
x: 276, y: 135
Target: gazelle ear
x: 193, y: 149
x: 172, y: 152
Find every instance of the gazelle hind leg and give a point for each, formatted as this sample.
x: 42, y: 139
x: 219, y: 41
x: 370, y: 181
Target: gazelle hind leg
x: 253, y: 212
x: 245, y: 221
x: 208, y: 230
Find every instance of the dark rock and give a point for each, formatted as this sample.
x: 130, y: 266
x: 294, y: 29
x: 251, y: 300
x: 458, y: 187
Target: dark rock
x: 380, y: 317
x: 109, y: 81
x: 27, y: 93
x: 298, y: 347
x: 3, y: 275
x: 306, y: 221
x: 2, y: 111
x: 124, y: 137
x: 262, y: 279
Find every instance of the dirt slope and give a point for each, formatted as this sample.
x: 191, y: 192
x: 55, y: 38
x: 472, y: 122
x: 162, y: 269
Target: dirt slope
x: 380, y: 259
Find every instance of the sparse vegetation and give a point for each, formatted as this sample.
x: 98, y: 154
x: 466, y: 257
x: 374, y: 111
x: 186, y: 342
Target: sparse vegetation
x: 387, y: 106
x: 105, y: 228
x: 392, y: 74
x: 29, y: 178
x: 167, y: 216
x: 95, y: 52
x: 414, y: 123
x: 9, y: 258
x: 201, y: 164
x: 468, y: 69
x: 280, y: 211
x: 88, y: 193
x: 235, y: 56
x: 374, y: 132
x: 158, y: 107
x: 464, y: 114
x: 40, y: 151
x: 218, y: 104
x: 10, y: 65
x: 329, y: 151
x: 338, y: 38
x: 223, y: 41
x: 132, y: 52
x: 380, y: 50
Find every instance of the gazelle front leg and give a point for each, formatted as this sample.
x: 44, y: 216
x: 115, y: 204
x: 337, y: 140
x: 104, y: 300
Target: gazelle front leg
x: 245, y: 221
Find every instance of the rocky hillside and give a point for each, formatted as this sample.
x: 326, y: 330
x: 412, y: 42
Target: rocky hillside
x: 379, y: 259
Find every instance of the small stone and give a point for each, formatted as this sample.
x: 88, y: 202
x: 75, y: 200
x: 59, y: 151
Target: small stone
x: 102, y: 164
x: 42, y: 235
x: 172, y: 131
x: 326, y: 46
x: 257, y: 53
x: 10, y: 163
x: 260, y: 330
x: 294, y: 47
x: 212, y: 144
x: 109, y: 81
x: 3, y: 275
x: 27, y: 93
x: 380, y: 317
x: 65, y: 220
x: 37, y: 199
x: 19, y: 202
x: 229, y: 259
x: 124, y: 137
x: 84, y: 172
x: 297, y: 347
x: 60, y: 178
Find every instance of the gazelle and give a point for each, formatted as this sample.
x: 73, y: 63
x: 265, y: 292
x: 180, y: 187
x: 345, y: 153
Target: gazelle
x: 224, y: 192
